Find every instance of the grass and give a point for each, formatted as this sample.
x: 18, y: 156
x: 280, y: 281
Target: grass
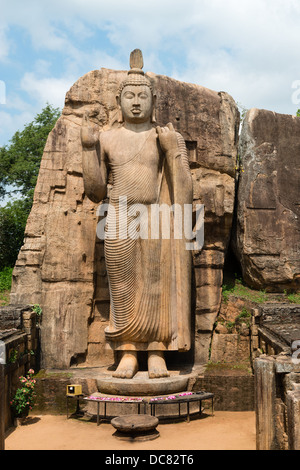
x: 5, y: 285
x: 293, y: 298
x: 236, y: 288
x: 4, y: 298
x: 43, y: 374
x: 5, y: 279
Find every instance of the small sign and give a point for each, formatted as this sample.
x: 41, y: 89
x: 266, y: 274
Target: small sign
x: 74, y: 390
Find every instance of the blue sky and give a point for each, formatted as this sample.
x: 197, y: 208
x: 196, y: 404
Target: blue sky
x: 249, y: 48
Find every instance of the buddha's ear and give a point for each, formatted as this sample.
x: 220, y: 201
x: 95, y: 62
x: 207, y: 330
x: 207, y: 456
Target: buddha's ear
x: 120, y: 114
x: 153, y: 117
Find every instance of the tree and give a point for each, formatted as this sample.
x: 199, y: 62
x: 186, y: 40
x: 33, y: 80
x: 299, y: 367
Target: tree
x: 19, y: 167
x: 20, y: 161
x: 298, y: 113
x: 13, y: 219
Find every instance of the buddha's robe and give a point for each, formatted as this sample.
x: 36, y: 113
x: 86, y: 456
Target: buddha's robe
x: 149, y: 279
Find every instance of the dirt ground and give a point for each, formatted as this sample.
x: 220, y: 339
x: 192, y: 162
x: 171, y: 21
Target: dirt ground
x: 223, y: 431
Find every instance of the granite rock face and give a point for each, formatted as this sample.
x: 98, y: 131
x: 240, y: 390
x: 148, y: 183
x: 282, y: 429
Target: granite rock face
x: 267, y: 240
x: 61, y: 264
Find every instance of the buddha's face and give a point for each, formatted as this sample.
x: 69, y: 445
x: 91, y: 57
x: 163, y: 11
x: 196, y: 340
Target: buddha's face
x: 136, y: 103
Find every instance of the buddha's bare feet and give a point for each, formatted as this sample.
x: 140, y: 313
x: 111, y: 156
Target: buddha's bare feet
x: 128, y: 365
x: 157, y: 365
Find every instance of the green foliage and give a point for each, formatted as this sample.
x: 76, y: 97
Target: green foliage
x: 230, y: 325
x: 298, y: 113
x: 20, y: 161
x: 13, y: 356
x: 237, y: 288
x: 5, y: 279
x: 4, y: 299
x: 24, y: 398
x: 244, y: 314
x: 226, y: 291
x: 243, y: 318
x: 13, y: 219
x: 292, y: 297
x: 19, y: 167
x: 37, y: 309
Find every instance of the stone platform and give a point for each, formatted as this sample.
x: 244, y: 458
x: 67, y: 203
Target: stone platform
x: 101, y: 380
x: 233, y: 391
x: 135, y: 427
x: 172, y: 406
x: 141, y: 385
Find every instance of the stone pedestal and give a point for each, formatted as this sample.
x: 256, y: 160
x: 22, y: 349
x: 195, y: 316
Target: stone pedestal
x: 141, y: 385
x: 135, y: 427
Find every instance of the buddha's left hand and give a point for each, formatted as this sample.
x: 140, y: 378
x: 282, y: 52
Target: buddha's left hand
x: 168, y: 140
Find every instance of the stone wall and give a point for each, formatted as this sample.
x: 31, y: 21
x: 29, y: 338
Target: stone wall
x: 277, y: 390
x: 61, y: 264
x: 19, y: 332
x: 232, y: 392
x: 266, y: 238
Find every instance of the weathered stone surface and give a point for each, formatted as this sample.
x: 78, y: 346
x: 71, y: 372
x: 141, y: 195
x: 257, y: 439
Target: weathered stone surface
x: 267, y: 233
x: 279, y: 327
x: 61, y: 267
x: 277, y: 402
x: 141, y: 385
x: 265, y: 391
x: 230, y: 348
x: 11, y: 316
x: 231, y: 392
x: 293, y: 412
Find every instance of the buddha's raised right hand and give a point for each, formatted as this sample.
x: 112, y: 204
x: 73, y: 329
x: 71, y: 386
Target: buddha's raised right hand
x: 89, y: 133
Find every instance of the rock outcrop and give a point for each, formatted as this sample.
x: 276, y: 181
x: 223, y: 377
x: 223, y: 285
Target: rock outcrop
x: 61, y: 264
x: 267, y: 237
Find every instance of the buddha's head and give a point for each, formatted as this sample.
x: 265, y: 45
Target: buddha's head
x: 136, y: 99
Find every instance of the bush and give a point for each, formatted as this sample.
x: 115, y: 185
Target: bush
x: 5, y: 279
x: 24, y: 398
x: 13, y: 219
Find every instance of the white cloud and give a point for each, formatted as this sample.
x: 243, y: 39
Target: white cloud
x: 248, y: 48
x: 44, y: 90
x: 4, y: 44
x: 10, y: 123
